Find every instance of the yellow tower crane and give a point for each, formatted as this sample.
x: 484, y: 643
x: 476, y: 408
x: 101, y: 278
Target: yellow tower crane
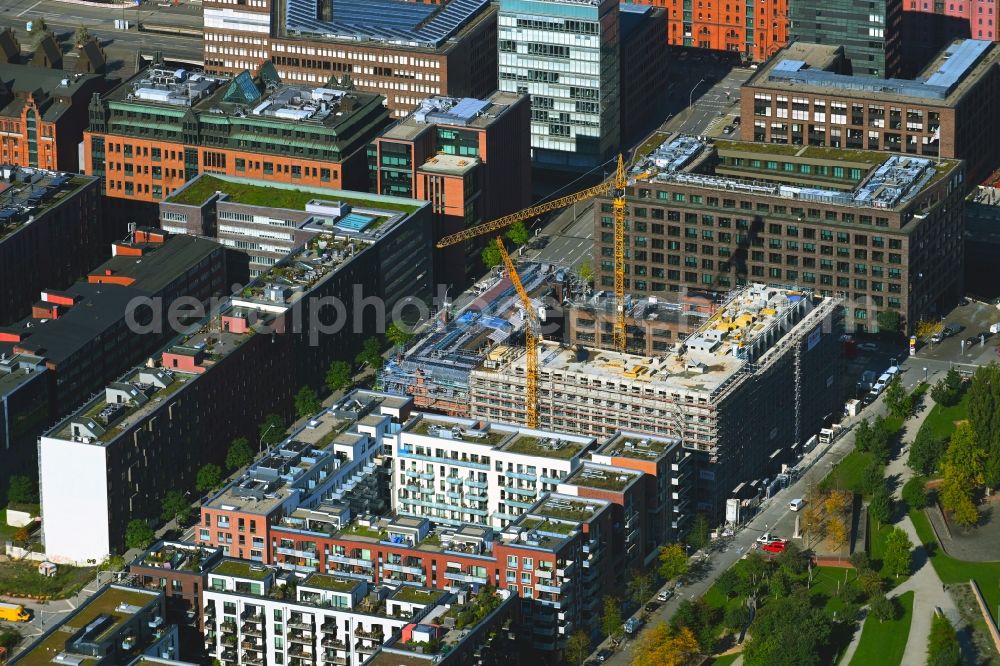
x: 616, y: 187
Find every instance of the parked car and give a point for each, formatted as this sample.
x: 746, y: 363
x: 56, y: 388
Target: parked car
x: 604, y: 655
x: 651, y: 607
x: 766, y: 537
x: 796, y: 504
x: 664, y: 595
x: 632, y: 625
x: 774, y: 547
x: 868, y: 346
x: 972, y: 340
x: 728, y: 129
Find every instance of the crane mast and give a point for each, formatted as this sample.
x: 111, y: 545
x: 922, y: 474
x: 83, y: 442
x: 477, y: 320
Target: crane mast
x: 530, y: 339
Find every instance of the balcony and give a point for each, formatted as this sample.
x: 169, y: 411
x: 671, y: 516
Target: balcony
x: 543, y: 574
x: 251, y: 645
x: 464, y: 577
x: 554, y: 589
x: 521, y: 491
x: 299, y: 651
x: 472, y: 483
x: 253, y: 615
x: 302, y: 624
x: 373, y: 634
x: 251, y: 629
x: 305, y: 554
x: 402, y: 568
x: 352, y: 561
x: 255, y: 660
x: 454, y: 480
x: 361, y: 646
x: 335, y: 643
x: 229, y: 627
x: 567, y: 569
x: 520, y: 475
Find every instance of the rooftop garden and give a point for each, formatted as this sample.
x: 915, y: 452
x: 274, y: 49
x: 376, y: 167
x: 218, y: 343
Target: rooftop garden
x: 602, y: 480
x: 417, y: 595
x: 178, y: 559
x: 572, y: 512
x: 357, y: 529
x: 547, y: 526
x: 331, y: 583
x: 475, y: 610
x: 338, y: 427
x: 198, y: 191
x: 812, y: 152
x: 424, y: 425
x: 241, y: 570
x: 536, y: 446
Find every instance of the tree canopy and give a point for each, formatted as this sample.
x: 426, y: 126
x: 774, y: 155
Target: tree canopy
x: 984, y: 417
x: 673, y: 561
x: 788, y: 632
x: 307, y: 402
x: 947, y: 391
x: 239, y: 453
x: 338, y: 376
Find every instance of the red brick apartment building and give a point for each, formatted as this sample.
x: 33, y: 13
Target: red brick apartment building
x: 161, y: 128
x: 443, y: 48
x: 470, y: 158
x: 754, y: 30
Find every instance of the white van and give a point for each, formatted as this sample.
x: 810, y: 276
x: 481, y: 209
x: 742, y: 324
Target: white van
x: 796, y: 504
x: 893, y: 371
x: 881, y: 383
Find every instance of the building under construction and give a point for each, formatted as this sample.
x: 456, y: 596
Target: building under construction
x: 746, y: 391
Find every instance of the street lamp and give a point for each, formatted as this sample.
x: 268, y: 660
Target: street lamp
x: 925, y: 374
x: 691, y: 96
x: 263, y: 435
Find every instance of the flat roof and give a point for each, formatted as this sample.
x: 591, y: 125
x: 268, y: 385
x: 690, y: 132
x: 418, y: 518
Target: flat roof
x: 241, y: 569
x: 31, y: 192
x: 449, y: 165
x: 118, y: 603
x: 802, y: 67
x: 567, y: 507
x: 18, y: 369
x: 463, y: 112
x: 331, y: 583
x: 602, y: 477
x: 200, y: 189
x: 890, y: 183
x: 738, y: 332
x: 390, y: 21
x: 545, y: 447
x: 639, y: 447
x: 56, y: 85
x: 160, y: 263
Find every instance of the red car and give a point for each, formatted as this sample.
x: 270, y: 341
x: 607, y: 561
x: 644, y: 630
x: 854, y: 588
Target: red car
x: 774, y: 547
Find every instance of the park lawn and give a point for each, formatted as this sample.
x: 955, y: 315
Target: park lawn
x: 885, y: 642
x: 827, y: 581
x: 941, y: 421
x: 725, y: 659
x: 951, y: 571
x: 849, y: 472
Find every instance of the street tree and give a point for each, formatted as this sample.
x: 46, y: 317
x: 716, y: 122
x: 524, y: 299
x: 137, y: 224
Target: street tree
x: 272, y: 430
x: 138, y: 535
x: 984, y: 417
x: 209, y: 478
x: 22, y: 489
x: 611, y: 618
x: 898, y: 556
x: 640, y: 587
x: 491, y: 256
x: 964, y: 468
x: 873, y: 477
x: 663, y: 646
x: 175, y: 507
x: 947, y: 391
x: 729, y: 583
x: 338, y: 376
x: 836, y: 530
x: 884, y: 608
x: 914, y: 493
x: 673, y: 561
x: 397, y: 335
x: 307, y: 402
x: 370, y: 354
x: 698, y: 533
x: 880, y: 506
x: 577, y: 647
x: 863, y: 434
x: 518, y: 234
x: 898, y: 399
x: 239, y: 453
x: 81, y: 36
x: 788, y: 632
x: 585, y: 271
x: 870, y: 583
x: 926, y: 452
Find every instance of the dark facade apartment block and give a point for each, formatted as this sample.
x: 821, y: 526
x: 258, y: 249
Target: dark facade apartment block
x: 66, y: 237
x: 882, y: 232
x: 802, y: 96
x: 402, y: 50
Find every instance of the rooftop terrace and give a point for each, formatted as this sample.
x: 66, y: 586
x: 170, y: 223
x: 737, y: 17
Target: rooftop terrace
x: 602, y: 478
x: 118, y: 603
x: 546, y: 447
x: 332, y: 583
x: 567, y: 507
x: 451, y: 111
x: 640, y: 448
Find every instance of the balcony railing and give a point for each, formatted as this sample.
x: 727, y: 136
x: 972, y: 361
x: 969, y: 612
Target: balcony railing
x: 475, y: 484
x: 353, y: 561
x: 372, y: 634
x: 300, y: 624
x: 336, y: 643
x: 464, y: 577
x: 251, y: 629
x: 307, y: 554
x: 402, y: 568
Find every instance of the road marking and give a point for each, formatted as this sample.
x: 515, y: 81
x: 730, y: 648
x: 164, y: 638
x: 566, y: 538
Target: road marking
x: 29, y: 8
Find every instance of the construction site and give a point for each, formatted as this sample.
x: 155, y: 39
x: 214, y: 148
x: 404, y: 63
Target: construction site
x: 733, y: 391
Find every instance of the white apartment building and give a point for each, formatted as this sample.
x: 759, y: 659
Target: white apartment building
x: 459, y: 471
x: 328, y: 620
x: 565, y: 55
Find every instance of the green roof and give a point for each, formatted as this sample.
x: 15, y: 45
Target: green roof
x: 200, y: 189
x: 241, y: 570
x: 331, y: 583
x: 812, y: 152
x: 533, y: 446
x: 417, y: 595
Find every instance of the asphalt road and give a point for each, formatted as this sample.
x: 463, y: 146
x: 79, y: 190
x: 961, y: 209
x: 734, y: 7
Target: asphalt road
x: 713, y: 102
x: 570, y: 237
x: 120, y: 45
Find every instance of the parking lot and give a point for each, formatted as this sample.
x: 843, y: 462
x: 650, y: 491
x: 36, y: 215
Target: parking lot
x: 973, y: 319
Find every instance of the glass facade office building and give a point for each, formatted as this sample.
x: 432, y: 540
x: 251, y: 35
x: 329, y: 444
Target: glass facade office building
x: 564, y: 54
